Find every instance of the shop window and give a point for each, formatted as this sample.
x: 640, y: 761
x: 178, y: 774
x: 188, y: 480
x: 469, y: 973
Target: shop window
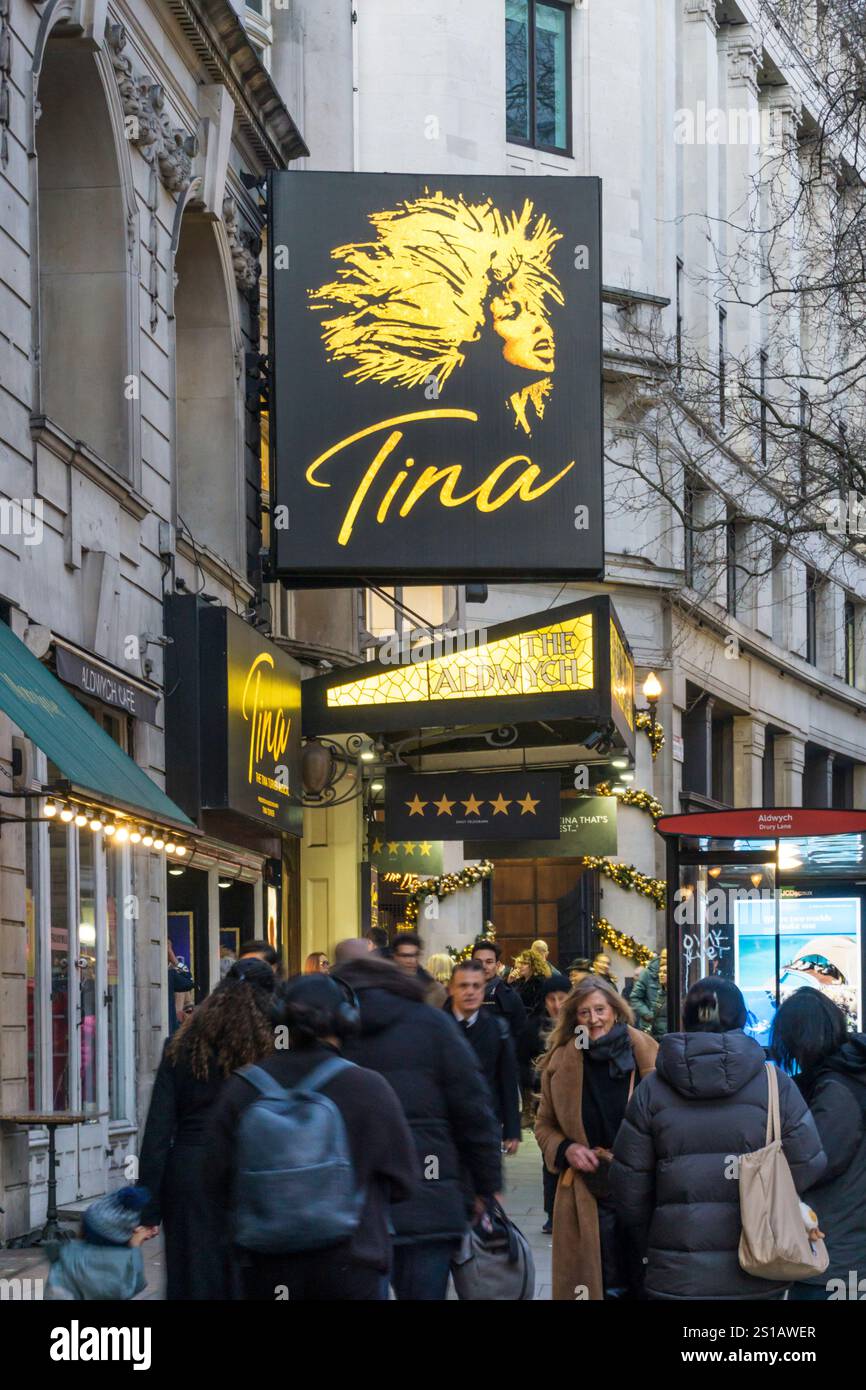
x: 34, y: 1052
x: 83, y: 269
x: 79, y: 985
x: 61, y: 965
x: 538, y: 74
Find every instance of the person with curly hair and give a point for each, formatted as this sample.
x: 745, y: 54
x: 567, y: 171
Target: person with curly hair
x: 232, y: 1027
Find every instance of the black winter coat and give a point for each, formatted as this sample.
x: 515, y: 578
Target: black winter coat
x: 705, y: 1103
x: 500, y: 996
x: 836, y: 1093
x: 443, y: 1094
x: 171, y: 1165
x: 490, y: 1039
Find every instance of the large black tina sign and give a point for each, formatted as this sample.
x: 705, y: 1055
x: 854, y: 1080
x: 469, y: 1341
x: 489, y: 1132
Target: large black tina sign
x: 436, y: 387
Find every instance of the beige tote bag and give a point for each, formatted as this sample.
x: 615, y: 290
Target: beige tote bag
x: 774, y: 1243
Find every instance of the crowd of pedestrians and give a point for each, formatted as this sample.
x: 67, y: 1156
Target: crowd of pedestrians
x: 337, y: 1135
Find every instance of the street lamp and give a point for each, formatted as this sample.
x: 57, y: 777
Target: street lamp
x: 652, y: 689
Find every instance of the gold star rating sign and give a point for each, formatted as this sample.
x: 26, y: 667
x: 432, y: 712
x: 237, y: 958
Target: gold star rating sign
x: 466, y: 805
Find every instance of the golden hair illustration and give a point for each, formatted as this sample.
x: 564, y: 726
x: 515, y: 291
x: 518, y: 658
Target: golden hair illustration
x: 404, y: 307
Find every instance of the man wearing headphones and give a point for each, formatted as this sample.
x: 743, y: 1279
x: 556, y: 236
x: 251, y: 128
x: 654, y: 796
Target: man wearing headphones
x: 320, y: 1013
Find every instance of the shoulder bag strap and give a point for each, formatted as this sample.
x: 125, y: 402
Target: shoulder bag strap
x: 774, y: 1123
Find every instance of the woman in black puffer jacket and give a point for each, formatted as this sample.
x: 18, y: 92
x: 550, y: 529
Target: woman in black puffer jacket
x: 673, y: 1174
x: 810, y: 1034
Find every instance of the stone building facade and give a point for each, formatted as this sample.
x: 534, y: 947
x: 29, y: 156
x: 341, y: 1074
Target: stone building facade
x: 133, y: 140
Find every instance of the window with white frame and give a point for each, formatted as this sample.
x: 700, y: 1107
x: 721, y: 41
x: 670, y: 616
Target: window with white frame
x: 79, y: 967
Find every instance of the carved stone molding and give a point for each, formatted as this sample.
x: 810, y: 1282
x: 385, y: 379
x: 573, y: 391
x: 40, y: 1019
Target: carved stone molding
x: 169, y: 149
x: 786, y: 113
x: 744, y: 59
x: 705, y: 10
x: 244, y: 245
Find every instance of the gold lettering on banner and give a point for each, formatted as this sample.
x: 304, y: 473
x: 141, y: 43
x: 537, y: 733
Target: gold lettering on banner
x: 525, y: 487
x: 269, y: 726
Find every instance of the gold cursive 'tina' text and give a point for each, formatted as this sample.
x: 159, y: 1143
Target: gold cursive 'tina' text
x: 269, y: 727
x: 485, y: 496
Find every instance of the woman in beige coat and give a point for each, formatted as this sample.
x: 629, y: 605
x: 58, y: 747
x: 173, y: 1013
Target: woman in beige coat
x: 594, y: 1060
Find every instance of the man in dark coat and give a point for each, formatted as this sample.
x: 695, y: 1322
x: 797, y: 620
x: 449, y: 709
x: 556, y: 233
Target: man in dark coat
x: 675, y: 1171
x: 445, y: 1099
x: 497, y: 994
x: 490, y: 1037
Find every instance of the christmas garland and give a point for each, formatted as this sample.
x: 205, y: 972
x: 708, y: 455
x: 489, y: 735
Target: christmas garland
x: 443, y: 885
x: 653, y: 730
x: 627, y: 876
x: 621, y: 943
x: 643, y: 800
x: 465, y: 952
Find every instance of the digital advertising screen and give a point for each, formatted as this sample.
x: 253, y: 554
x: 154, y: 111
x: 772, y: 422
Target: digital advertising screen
x: 819, y: 948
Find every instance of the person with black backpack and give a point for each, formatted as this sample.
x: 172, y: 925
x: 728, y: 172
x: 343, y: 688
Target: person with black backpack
x: 306, y: 1152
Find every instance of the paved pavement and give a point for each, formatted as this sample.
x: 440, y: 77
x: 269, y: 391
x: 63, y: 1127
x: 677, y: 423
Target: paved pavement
x: 523, y: 1201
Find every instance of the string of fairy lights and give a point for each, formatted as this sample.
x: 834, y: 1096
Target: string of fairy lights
x: 119, y: 829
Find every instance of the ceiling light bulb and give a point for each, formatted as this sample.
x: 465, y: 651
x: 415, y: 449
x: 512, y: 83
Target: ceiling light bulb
x: 181, y: 850
x: 148, y: 840
x: 95, y: 824
x: 135, y: 836
x: 66, y: 814
x: 170, y: 847
x: 626, y: 776
x: 81, y: 818
x: 368, y: 755
x: 714, y: 873
x: 224, y: 883
x: 51, y: 808
x: 159, y: 843
x: 121, y: 833
x: 111, y: 828
x: 376, y: 786
x: 176, y: 869
x: 619, y: 762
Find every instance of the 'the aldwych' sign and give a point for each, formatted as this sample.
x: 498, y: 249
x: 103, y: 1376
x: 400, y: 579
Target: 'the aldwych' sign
x: 436, y: 397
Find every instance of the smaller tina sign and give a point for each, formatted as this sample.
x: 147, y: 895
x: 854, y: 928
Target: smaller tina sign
x: 472, y: 805
x: 587, y: 826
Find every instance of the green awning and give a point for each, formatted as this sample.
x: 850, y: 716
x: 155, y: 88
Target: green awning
x: 44, y: 710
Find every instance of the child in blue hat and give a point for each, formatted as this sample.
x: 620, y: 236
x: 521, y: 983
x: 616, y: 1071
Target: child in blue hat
x: 106, y: 1263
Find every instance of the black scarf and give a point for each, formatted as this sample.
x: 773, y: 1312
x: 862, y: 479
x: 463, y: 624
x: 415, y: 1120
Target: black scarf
x: 614, y: 1047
